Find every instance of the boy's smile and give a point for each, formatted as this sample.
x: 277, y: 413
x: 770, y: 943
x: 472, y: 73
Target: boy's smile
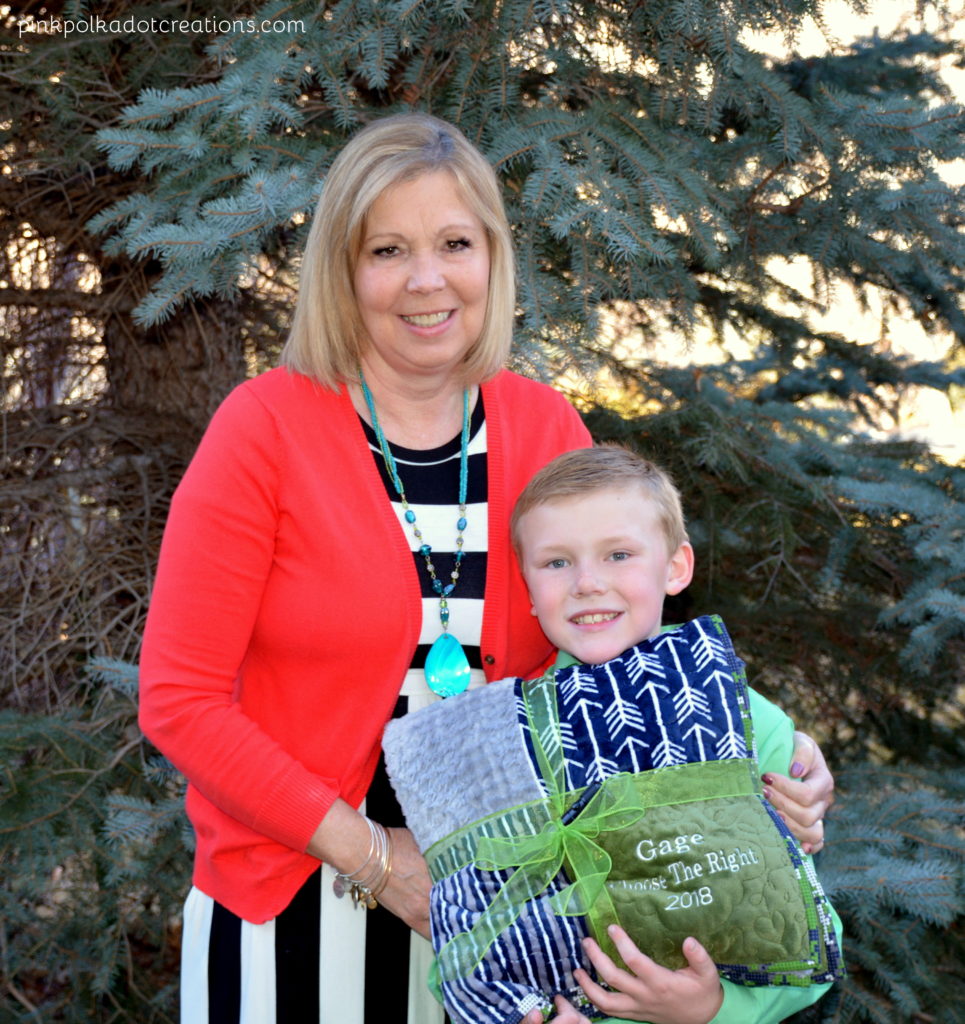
x: 598, y: 568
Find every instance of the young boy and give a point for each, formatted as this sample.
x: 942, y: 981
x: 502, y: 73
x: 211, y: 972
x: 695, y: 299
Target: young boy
x: 601, y: 541
x: 600, y: 538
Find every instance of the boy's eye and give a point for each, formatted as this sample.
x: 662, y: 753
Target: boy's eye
x: 556, y: 563
x: 619, y: 556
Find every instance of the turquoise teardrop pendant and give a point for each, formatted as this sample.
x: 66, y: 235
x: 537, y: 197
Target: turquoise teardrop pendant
x: 447, y: 667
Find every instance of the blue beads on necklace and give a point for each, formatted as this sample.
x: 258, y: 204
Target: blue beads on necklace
x: 447, y: 667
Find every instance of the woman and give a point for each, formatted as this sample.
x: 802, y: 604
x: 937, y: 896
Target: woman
x: 339, y: 544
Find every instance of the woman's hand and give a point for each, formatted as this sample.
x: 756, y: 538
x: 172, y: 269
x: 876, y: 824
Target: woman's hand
x: 344, y: 840
x: 803, y: 797
x: 407, y: 894
x: 649, y: 992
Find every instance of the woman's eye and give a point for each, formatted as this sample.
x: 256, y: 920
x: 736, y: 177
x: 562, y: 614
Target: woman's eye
x: 457, y: 244
x: 385, y: 250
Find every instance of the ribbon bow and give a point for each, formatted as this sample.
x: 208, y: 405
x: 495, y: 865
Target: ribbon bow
x: 566, y: 839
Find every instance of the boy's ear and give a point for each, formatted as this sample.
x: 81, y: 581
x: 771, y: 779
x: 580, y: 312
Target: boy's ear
x: 680, y: 571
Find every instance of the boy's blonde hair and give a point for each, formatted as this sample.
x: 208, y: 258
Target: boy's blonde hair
x: 595, y: 469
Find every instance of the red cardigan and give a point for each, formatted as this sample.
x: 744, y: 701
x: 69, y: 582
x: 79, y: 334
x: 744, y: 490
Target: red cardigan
x: 286, y: 609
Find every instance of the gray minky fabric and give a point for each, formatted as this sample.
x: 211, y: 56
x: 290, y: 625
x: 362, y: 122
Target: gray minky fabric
x: 485, y: 768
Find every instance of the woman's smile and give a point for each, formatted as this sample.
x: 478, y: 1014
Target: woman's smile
x: 427, y: 319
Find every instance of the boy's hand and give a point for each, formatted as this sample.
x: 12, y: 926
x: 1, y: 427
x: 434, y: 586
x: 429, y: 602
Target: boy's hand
x: 566, y: 1013
x: 649, y: 992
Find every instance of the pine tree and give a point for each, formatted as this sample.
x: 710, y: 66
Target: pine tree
x: 95, y: 849
x: 661, y: 174
x: 659, y: 170
x: 893, y: 868
x: 99, y: 414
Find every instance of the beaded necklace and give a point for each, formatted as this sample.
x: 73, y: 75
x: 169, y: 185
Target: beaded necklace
x: 447, y: 667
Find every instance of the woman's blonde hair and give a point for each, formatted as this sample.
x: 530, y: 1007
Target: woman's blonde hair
x: 327, y: 339
x: 585, y: 470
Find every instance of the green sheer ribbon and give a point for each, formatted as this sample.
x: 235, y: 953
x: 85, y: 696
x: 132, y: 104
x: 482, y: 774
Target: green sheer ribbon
x: 566, y: 840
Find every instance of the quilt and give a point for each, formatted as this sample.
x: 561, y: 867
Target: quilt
x: 626, y: 792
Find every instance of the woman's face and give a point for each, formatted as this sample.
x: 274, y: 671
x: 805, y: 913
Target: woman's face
x: 421, y: 279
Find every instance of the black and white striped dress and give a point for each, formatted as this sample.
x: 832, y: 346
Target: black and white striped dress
x: 321, y: 959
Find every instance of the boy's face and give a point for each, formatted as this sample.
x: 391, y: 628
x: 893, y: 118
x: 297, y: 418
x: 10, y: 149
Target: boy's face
x: 597, y: 568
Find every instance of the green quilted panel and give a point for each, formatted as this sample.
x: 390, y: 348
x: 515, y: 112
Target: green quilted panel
x: 716, y: 869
